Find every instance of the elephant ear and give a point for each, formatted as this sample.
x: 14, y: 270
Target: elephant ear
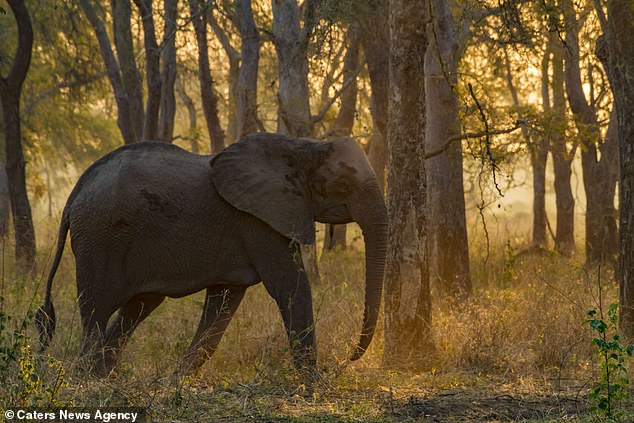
x: 262, y: 175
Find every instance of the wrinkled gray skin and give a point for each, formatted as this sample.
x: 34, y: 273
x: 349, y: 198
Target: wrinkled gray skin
x: 150, y: 221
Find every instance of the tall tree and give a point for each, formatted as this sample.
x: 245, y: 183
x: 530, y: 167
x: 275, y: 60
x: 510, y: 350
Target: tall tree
x: 10, y: 95
x: 375, y: 41
x: 247, y: 95
x: 130, y: 77
x: 291, y: 44
x: 620, y: 42
x: 243, y: 67
x: 537, y: 148
x: 168, y: 72
x: 408, y: 300
x: 124, y: 114
x: 199, y: 11
x: 135, y: 123
x: 598, y: 179
x: 233, y: 55
x: 449, y: 250
x: 562, y: 156
x: 152, y: 71
x: 539, y: 157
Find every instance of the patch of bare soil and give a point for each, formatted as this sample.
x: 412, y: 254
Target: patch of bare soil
x: 465, y: 405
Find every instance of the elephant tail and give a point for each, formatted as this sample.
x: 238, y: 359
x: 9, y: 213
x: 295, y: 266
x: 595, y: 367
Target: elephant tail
x: 45, y: 316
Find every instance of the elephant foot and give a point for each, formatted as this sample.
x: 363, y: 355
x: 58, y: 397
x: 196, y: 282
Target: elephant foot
x: 191, y: 364
x: 99, y: 365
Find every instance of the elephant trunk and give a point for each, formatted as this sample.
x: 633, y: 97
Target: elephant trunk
x: 371, y: 215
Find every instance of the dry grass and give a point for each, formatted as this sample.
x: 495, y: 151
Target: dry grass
x: 515, y: 351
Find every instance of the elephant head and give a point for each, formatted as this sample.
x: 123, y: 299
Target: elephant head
x: 291, y: 183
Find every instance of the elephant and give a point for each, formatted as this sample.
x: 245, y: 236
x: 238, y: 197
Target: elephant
x: 151, y: 220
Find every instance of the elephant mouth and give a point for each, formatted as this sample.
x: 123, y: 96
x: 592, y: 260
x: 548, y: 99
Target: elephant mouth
x: 336, y: 214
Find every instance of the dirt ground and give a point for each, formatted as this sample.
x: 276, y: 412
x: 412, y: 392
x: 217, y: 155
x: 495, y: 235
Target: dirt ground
x: 461, y: 405
x: 481, y: 403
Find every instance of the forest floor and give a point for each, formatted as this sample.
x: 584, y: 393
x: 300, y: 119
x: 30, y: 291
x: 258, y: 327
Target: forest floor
x: 517, y: 350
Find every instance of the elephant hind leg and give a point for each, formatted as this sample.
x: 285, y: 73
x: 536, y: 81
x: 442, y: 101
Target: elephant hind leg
x: 130, y: 315
x: 94, y: 316
x: 220, y: 305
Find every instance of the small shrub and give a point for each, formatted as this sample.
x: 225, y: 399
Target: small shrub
x: 29, y: 379
x: 611, y: 389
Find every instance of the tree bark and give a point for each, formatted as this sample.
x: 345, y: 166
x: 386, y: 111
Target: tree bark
x: 124, y: 116
x: 620, y: 42
x: 600, y: 222
x: 408, y: 302
x: 207, y: 93
x: 291, y: 45
x: 168, y: 73
x: 375, y: 41
x: 538, y: 151
x: 562, y: 158
x: 449, y: 250
x: 152, y: 71
x: 10, y: 93
x: 191, y: 113
x: 5, y: 201
x: 247, y: 95
x: 121, y: 15
x: 539, y: 156
x: 234, y: 71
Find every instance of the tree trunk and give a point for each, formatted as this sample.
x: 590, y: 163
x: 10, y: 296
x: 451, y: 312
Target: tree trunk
x: 168, y: 73
x: 538, y: 150
x: 121, y: 15
x: 335, y: 236
x: 124, y: 116
x: 562, y: 158
x: 600, y: 229
x: 152, y: 71
x: 449, y: 250
x: 408, y: 302
x: 191, y: 113
x: 232, y: 107
x: 247, y: 95
x: 294, y: 116
x: 539, y: 157
x: 620, y: 42
x: 5, y: 201
x: 10, y: 92
x: 207, y: 93
x: 608, y: 170
x: 375, y: 40
x: 234, y: 71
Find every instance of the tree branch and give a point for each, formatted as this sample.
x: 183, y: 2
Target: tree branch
x: 232, y: 53
x: 322, y: 112
x: 29, y: 105
x: 486, y: 133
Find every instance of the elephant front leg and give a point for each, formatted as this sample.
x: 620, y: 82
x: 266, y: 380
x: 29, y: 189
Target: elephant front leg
x: 293, y: 296
x: 220, y: 305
